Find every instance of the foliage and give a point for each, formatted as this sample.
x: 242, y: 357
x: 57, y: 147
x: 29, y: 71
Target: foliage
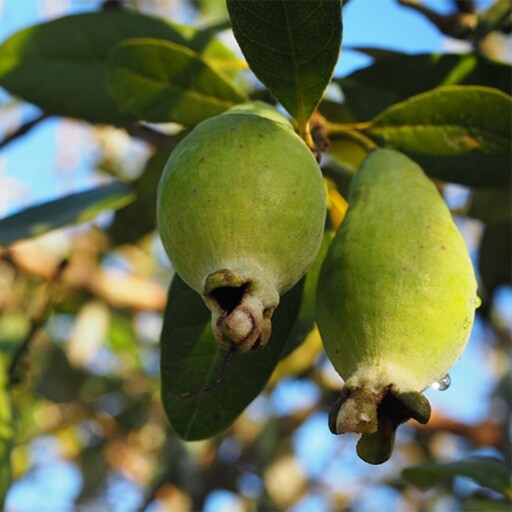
x: 77, y: 363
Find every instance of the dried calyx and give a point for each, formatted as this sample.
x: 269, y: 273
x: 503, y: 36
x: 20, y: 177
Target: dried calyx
x: 241, y: 309
x: 376, y: 413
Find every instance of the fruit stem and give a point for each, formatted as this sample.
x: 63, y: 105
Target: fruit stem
x: 305, y: 133
x: 219, y: 380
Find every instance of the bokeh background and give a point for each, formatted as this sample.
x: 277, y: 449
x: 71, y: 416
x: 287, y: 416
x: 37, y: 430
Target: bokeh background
x: 91, y: 434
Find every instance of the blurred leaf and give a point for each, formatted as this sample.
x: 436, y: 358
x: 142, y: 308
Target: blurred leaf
x: 479, y: 505
x: 457, y: 134
x: 340, y: 175
x: 95, y: 470
x: 370, y: 90
x: 191, y: 358
x: 375, y: 53
x: 292, y: 47
x: 6, y: 419
x: 13, y: 328
x: 495, y: 256
x: 335, y: 112
x: 71, y: 209
x: 59, y: 381
x: 138, y: 218
x: 122, y: 340
x: 491, y: 205
x: 486, y: 471
x: 338, y: 205
x: 75, y: 49
x: 160, y: 81
x: 306, y: 317
x: 347, y: 153
x: 213, y: 10
x: 218, y: 55
x: 493, y: 18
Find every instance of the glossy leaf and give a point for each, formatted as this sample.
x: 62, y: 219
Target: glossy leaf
x: 159, y: 81
x: 75, y: 49
x: 191, y: 358
x: 71, y: 209
x: 371, y: 90
x: 458, y: 134
x: 292, y: 47
x: 486, y: 471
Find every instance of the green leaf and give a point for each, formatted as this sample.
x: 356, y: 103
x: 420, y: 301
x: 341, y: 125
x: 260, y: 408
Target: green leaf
x: 371, y: 90
x: 375, y: 53
x: 335, y: 112
x: 495, y: 256
x: 292, y: 47
x: 71, y: 209
x: 491, y: 206
x: 138, y: 218
x: 486, y: 471
x: 479, y: 505
x: 493, y: 18
x: 6, y: 430
x: 457, y: 134
x: 191, y: 358
x: 59, y: 381
x: 75, y: 49
x: 159, y: 81
x: 306, y: 317
x: 123, y: 341
x: 13, y: 328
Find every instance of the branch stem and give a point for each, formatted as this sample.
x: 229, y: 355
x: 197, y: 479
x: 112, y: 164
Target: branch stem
x: 23, y: 130
x: 352, y: 132
x: 36, y: 323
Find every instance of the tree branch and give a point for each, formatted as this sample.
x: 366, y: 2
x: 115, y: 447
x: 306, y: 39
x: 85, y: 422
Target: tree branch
x: 23, y: 130
x: 459, y: 25
x: 153, y: 137
x: 37, y: 321
x: 467, y: 6
x: 115, y: 288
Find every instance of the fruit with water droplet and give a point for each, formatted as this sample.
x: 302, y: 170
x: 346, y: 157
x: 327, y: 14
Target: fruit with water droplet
x: 395, y: 295
x: 241, y: 211
x: 443, y: 383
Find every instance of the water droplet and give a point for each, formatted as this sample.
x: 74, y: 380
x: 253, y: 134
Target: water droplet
x: 442, y: 384
x: 467, y: 322
x: 477, y: 302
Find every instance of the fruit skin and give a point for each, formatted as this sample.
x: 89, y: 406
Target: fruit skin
x: 241, y: 210
x: 395, y: 300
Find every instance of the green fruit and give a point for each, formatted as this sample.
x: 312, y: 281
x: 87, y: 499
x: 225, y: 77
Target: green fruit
x: 241, y: 211
x: 395, y: 300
